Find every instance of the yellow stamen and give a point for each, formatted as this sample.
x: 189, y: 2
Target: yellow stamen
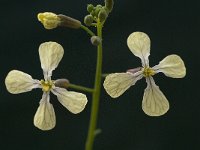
x: 148, y: 72
x: 46, y: 85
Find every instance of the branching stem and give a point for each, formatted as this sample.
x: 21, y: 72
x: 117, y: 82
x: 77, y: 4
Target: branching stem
x: 87, y: 30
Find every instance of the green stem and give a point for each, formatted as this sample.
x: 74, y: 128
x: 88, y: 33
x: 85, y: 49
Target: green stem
x: 96, y: 93
x: 87, y: 30
x: 80, y: 88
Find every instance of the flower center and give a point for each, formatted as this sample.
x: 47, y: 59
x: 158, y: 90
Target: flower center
x: 46, y: 85
x: 148, y: 72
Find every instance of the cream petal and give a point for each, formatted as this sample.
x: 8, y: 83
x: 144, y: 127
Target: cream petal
x: 75, y: 102
x: 117, y: 83
x: 51, y: 54
x: 45, y: 118
x: 139, y: 44
x: 172, y: 66
x: 18, y: 82
x: 154, y: 101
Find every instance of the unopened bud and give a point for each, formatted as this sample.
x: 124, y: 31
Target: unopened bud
x: 109, y: 5
x: 49, y: 20
x: 90, y: 8
x: 95, y: 40
x: 88, y: 20
x: 62, y: 83
x: 93, y: 13
x: 96, y: 11
x: 69, y: 22
x: 102, y: 15
x: 99, y: 6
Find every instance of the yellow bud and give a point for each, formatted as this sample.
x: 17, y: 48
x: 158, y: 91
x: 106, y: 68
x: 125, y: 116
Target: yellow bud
x: 49, y: 20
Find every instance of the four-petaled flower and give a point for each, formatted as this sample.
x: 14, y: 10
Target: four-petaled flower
x: 16, y: 82
x: 154, y: 102
x: 49, y: 20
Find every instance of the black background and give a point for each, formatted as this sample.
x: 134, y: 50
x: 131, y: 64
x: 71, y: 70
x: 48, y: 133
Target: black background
x: 174, y: 28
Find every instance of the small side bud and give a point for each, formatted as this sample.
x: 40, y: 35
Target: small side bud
x: 90, y: 8
x: 95, y: 40
x: 99, y: 6
x: 109, y: 5
x: 97, y: 10
x: 69, y: 22
x: 93, y: 13
x: 49, y: 20
x: 102, y: 15
x: 88, y: 20
x: 62, y: 83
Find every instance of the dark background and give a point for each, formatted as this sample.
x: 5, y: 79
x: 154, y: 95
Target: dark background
x: 174, y: 28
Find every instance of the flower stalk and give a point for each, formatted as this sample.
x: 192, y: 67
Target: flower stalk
x: 96, y: 93
x: 87, y: 30
x: 80, y: 88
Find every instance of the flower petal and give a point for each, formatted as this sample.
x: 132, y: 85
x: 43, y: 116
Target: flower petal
x: 172, y: 66
x: 139, y: 44
x: 75, y: 102
x: 51, y: 54
x: 117, y: 83
x: 154, y: 101
x: 45, y: 118
x: 18, y: 82
x: 49, y: 20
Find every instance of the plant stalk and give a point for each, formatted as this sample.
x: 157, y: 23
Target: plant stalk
x: 96, y: 93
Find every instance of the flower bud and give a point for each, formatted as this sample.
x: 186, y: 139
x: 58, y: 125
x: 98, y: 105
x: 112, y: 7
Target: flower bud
x: 109, y: 5
x: 49, y: 20
x: 62, y: 83
x: 99, y: 6
x: 93, y: 13
x: 88, y: 20
x: 69, y: 22
x: 90, y: 8
x: 96, y: 11
x: 102, y: 15
x: 95, y: 40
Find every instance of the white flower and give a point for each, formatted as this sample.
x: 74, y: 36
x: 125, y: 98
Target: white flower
x: 18, y: 82
x: 154, y: 102
x: 49, y: 20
